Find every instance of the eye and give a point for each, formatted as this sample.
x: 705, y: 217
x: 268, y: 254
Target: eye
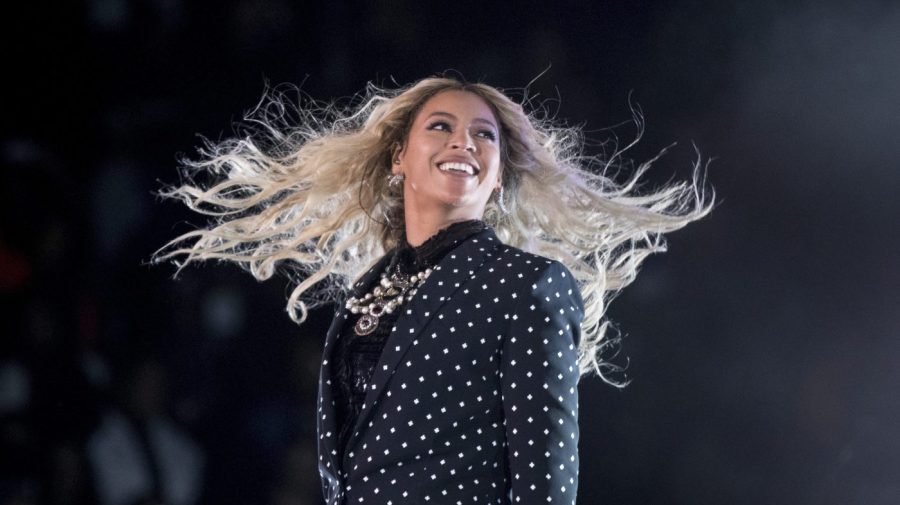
x: 487, y: 134
x: 440, y: 126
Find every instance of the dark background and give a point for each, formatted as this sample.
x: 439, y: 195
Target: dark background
x: 763, y: 346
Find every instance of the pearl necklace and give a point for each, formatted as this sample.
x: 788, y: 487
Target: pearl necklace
x: 392, y: 291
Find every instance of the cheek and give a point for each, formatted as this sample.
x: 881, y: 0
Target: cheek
x: 495, y: 167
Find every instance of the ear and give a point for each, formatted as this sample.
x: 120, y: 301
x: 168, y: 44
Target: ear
x: 396, y: 158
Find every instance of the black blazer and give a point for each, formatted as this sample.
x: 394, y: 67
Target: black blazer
x: 475, y: 397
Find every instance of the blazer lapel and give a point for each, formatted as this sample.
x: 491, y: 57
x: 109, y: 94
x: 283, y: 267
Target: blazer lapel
x: 458, y: 266
x: 327, y: 416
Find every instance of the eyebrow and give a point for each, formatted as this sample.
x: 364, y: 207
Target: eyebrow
x: 476, y: 120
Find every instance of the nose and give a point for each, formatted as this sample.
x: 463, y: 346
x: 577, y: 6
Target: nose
x: 462, y: 140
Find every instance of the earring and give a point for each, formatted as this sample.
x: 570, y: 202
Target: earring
x: 395, y: 181
x: 500, y: 201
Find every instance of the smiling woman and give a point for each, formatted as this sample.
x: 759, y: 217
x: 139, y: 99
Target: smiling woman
x: 484, y: 248
x: 450, y: 162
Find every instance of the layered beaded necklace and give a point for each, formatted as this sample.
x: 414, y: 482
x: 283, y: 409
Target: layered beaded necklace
x: 397, y: 287
x: 388, y: 295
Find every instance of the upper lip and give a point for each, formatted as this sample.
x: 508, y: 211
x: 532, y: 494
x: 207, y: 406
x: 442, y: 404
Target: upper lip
x: 460, y: 159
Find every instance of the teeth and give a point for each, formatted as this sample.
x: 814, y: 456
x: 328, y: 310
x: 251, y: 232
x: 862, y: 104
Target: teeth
x: 459, y: 167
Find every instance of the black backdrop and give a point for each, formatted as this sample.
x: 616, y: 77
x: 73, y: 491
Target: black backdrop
x: 763, y: 346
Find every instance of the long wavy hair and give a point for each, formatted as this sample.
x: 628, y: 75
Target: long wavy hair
x: 305, y: 192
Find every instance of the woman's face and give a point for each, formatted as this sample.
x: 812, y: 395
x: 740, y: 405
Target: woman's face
x: 451, y: 158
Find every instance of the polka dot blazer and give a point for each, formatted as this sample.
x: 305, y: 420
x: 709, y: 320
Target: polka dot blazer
x: 474, y: 399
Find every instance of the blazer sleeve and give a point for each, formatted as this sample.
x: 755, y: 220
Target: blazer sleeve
x: 540, y: 389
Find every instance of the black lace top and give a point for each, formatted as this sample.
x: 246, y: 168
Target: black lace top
x: 356, y: 356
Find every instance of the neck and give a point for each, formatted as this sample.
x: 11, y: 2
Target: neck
x: 422, y: 226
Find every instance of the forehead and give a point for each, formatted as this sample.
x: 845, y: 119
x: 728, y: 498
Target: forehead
x: 464, y: 105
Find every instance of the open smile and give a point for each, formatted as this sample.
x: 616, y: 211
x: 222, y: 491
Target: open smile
x: 460, y: 167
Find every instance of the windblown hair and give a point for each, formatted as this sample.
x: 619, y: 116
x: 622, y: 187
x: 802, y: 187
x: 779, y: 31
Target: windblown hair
x: 309, y: 195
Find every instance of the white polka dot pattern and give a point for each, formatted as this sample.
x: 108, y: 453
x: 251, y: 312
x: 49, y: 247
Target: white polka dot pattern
x: 475, y: 398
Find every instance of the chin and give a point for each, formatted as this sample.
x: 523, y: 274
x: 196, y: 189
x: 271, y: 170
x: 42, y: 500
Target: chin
x: 455, y: 199
x: 460, y: 201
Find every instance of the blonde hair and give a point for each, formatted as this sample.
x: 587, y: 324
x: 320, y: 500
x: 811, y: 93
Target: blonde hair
x: 310, y: 195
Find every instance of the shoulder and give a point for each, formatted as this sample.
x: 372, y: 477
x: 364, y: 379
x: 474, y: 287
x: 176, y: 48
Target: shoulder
x: 531, y: 274
x: 548, y: 301
x: 531, y: 267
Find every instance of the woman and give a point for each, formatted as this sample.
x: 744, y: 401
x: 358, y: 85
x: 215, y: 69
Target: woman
x: 450, y: 372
